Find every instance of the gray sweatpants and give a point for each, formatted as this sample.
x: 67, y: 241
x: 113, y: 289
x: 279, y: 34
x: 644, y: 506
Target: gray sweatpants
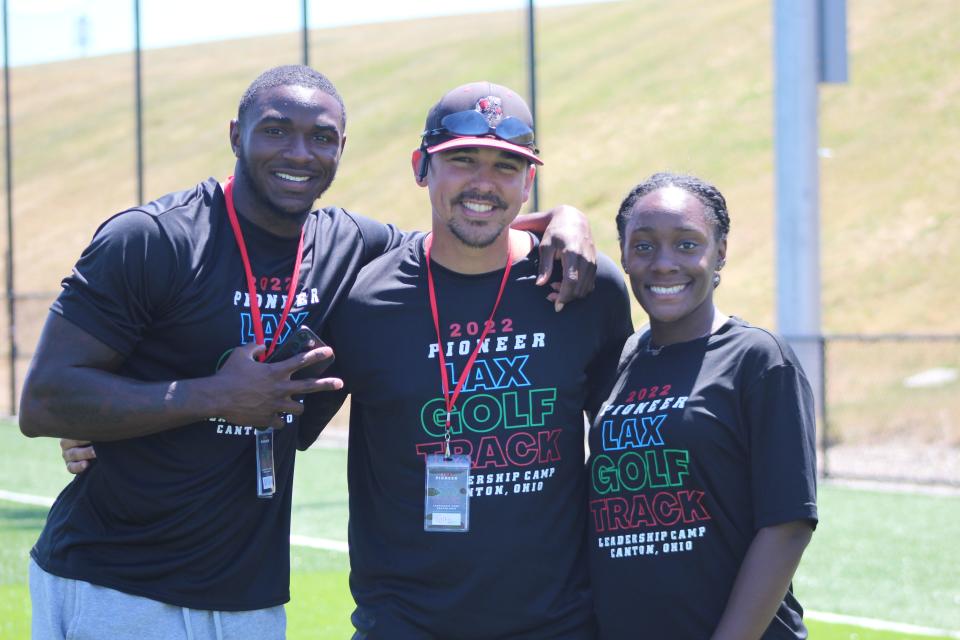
x: 65, y: 609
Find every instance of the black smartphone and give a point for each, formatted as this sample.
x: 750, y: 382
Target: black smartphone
x: 302, y: 339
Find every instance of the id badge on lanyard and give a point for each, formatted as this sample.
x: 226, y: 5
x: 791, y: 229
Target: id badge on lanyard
x: 266, y: 476
x: 447, y: 503
x: 266, y: 480
x: 446, y: 506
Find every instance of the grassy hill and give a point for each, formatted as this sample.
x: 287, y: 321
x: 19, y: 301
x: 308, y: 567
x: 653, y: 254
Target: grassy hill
x: 626, y: 88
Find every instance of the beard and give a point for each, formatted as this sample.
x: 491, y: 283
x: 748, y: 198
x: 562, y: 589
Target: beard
x: 475, y: 235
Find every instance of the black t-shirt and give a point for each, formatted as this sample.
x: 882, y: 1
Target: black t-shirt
x: 696, y: 449
x: 520, y: 571
x: 174, y: 516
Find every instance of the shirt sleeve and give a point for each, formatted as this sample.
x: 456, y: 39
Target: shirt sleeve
x: 321, y: 407
x: 120, y: 281
x: 618, y: 326
x: 318, y: 410
x: 379, y: 238
x: 780, y: 414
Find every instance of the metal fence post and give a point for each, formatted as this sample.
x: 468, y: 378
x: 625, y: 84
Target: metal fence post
x: 532, y: 79
x: 138, y: 96
x: 8, y: 150
x: 305, y: 33
x: 824, y: 418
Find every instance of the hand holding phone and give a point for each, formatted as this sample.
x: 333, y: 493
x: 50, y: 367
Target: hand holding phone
x: 302, y: 339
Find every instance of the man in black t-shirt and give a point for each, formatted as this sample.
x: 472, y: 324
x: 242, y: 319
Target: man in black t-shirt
x: 154, y: 351
x: 448, y: 349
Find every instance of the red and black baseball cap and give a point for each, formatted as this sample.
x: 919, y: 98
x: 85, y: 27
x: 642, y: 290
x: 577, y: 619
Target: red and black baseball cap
x: 481, y: 114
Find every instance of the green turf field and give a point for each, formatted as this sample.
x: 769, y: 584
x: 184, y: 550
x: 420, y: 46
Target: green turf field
x: 888, y: 556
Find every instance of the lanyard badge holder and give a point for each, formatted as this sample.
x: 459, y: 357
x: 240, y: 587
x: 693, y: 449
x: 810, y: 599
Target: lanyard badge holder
x: 266, y: 478
x: 266, y: 481
x: 301, y: 340
x: 446, y: 505
x: 447, y: 493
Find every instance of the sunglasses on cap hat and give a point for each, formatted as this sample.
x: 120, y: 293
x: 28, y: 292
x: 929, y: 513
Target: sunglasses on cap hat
x: 474, y: 124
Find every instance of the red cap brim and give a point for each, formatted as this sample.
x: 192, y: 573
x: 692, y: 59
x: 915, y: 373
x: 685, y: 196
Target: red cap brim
x: 495, y: 143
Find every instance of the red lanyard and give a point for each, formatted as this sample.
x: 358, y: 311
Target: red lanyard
x: 451, y: 399
x: 252, y: 282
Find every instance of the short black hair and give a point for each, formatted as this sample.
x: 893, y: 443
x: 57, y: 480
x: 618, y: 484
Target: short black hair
x: 702, y: 190
x: 296, y: 75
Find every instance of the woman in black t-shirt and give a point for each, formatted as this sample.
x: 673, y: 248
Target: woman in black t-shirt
x: 702, y: 466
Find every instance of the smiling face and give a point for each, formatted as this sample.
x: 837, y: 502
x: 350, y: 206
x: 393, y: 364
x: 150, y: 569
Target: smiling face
x: 475, y: 193
x: 670, y: 251
x: 288, y: 146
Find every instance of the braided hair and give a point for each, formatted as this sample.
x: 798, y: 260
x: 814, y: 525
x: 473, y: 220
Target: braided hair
x: 706, y: 193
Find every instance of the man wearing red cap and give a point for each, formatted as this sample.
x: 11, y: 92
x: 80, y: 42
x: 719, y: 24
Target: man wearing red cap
x: 467, y: 489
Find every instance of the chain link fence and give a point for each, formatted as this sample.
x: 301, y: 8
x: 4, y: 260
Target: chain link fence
x: 892, y: 410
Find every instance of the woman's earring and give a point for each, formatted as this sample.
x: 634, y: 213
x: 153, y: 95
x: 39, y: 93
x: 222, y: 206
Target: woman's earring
x: 716, y: 274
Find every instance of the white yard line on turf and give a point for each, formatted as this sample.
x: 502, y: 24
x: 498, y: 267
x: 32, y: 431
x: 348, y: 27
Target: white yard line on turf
x: 879, y: 625
x: 300, y: 541
x: 24, y: 498
x: 318, y: 543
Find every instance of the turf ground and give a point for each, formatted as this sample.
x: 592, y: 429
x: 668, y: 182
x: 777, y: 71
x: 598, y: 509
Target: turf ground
x: 879, y: 555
